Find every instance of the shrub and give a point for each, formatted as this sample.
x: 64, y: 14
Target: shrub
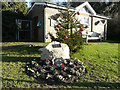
x: 113, y: 29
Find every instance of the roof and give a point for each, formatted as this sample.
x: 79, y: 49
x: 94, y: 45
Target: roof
x: 104, y: 17
x: 72, y: 9
x: 50, y: 5
x: 88, y: 6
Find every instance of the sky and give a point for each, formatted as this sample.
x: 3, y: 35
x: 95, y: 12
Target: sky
x: 56, y: 1
x: 53, y: 1
x: 28, y: 3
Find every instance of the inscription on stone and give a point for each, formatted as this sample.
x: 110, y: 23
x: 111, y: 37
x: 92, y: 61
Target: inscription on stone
x: 55, y: 49
x: 56, y: 45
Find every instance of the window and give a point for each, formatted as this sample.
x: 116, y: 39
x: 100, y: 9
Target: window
x: 96, y: 23
x: 52, y: 22
x: 83, y: 19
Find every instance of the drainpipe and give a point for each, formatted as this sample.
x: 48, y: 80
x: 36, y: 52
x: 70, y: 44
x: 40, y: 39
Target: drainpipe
x: 17, y: 30
x: 91, y: 24
x: 44, y: 24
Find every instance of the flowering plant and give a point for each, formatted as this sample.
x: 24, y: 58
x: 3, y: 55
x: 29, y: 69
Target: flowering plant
x: 65, y: 70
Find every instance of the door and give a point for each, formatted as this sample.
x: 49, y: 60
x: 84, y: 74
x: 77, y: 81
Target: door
x: 24, y: 32
x: 35, y: 28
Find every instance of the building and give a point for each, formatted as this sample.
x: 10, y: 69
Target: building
x: 40, y: 24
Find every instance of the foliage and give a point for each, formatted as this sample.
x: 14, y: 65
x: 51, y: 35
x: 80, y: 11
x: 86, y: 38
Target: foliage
x: 57, y: 69
x: 16, y: 7
x: 114, y: 29
x: 68, y: 29
x: 10, y: 12
x: 108, y: 8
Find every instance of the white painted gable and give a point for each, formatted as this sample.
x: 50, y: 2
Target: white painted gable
x: 85, y: 11
x: 85, y: 8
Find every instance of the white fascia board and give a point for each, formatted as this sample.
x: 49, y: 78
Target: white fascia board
x: 55, y: 6
x: 88, y: 6
x: 50, y: 5
x: 59, y: 7
x: 80, y: 6
x: 102, y: 16
x: 34, y: 5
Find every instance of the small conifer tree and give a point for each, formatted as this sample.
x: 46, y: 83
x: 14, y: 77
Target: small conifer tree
x: 69, y: 30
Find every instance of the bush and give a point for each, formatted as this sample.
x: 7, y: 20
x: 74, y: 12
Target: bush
x: 113, y: 30
x: 9, y: 26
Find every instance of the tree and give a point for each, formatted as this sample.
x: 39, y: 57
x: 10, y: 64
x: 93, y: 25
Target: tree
x: 10, y: 12
x: 103, y: 8
x: 68, y: 29
x: 17, y: 7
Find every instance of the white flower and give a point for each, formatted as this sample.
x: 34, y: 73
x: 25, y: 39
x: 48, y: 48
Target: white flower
x: 71, y: 63
x: 28, y: 68
x: 65, y: 61
x: 63, y: 79
x: 79, y: 61
x: 33, y: 62
x: 60, y: 77
x: 34, y: 75
x: 48, y: 75
x: 53, y: 61
x: 30, y: 45
x: 32, y: 71
x: 69, y: 76
x: 80, y: 69
x: 38, y: 74
x: 84, y: 69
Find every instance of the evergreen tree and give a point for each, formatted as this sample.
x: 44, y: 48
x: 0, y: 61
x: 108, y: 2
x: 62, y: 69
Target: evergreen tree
x: 68, y: 29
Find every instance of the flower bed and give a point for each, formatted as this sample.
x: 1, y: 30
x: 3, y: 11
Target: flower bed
x: 65, y: 70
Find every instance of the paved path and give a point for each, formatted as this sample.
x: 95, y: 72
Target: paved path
x: 14, y: 46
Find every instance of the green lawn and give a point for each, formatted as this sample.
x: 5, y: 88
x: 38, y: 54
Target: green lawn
x: 101, y: 61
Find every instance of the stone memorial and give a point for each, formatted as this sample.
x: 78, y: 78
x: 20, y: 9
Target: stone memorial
x: 55, y: 49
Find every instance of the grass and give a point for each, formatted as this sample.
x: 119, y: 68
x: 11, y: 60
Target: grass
x: 101, y: 61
